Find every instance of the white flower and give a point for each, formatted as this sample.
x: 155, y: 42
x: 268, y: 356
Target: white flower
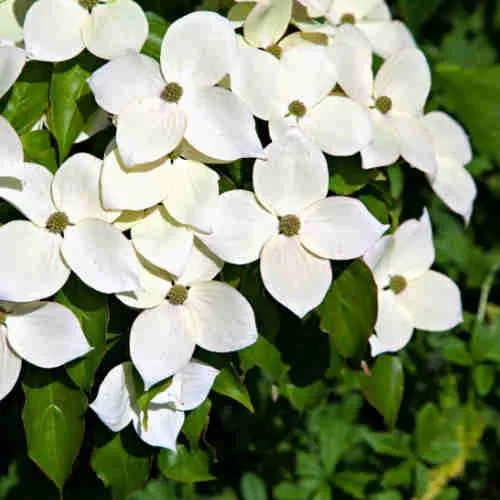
x: 291, y: 225
x: 57, y: 30
x: 67, y: 229
x: 452, y: 183
x: 294, y: 91
x: 410, y: 295
x: 267, y: 21
x: 12, y: 60
x: 372, y: 17
x: 156, y: 107
x: 116, y: 403
x: 12, y: 14
x: 45, y: 334
x: 11, y: 152
x: 185, y: 312
x: 396, y: 100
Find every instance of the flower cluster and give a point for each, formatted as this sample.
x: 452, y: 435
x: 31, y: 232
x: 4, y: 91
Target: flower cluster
x: 148, y: 222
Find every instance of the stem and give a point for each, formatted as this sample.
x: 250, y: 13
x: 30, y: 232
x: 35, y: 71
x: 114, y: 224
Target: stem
x: 485, y: 293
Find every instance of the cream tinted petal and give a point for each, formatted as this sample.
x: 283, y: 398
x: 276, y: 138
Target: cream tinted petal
x: 12, y: 60
x: 11, y: 151
x: 385, y: 147
x: 388, y: 37
x: 10, y: 365
x: 164, y: 426
x: 202, y: 265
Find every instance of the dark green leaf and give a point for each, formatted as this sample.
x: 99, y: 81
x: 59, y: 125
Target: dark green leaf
x: 160, y: 489
x: 304, y: 398
x: 53, y: 419
x: 484, y: 378
x: 264, y: 355
x: 228, y: 384
x: 485, y: 342
x: 349, y: 311
x: 157, y: 29
x: 348, y: 176
x: 253, y: 488
x: 394, y: 444
x: 38, y: 148
x: 196, y: 423
x: 185, y: 466
x: 354, y: 483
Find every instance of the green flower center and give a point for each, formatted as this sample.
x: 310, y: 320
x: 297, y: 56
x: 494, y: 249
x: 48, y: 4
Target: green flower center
x: 275, y: 50
x: 57, y: 222
x: 398, y: 284
x: 297, y: 108
x: 177, y: 295
x: 289, y: 225
x: 88, y: 4
x: 384, y: 104
x: 348, y: 19
x: 172, y: 92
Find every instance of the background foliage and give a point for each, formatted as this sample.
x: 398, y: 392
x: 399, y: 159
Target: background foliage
x: 294, y: 416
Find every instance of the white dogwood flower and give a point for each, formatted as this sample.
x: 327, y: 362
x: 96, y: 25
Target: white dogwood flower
x: 296, y: 92
x: 291, y: 225
x: 410, y: 294
x: 58, y: 30
x: 451, y: 182
x: 12, y: 60
x: 45, y: 334
x: 117, y: 402
x: 395, y: 97
x: 157, y: 107
x: 12, y: 14
x: 11, y: 152
x: 67, y: 230
x: 185, y: 312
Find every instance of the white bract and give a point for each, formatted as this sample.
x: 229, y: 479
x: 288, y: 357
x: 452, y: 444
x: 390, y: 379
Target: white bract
x: 291, y: 225
x: 45, y: 334
x: 12, y: 60
x: 185, y: 312
x: 410, y: 294
x: 117, y: 402
x: 157, y: 107
x: 395, y: 99
x: 295, y: 93
x: 67, y: 230
x: 371, y: 17
x: 451, y: 182
x: 57, y: 30
x: 12, y: 14
x: 11, y: 154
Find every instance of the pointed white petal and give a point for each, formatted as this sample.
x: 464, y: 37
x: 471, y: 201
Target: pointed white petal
x: 31, y: 267
x: 112, y: 404
x: 388, y: 37
x: 12, y: 13
x: 11, y: 151
x: 202, y: 265
x: 161, y: 342
x: 190, y: 386
x: 129, y: 218
x: 279, y: 127
x: 163, y: 242
x: 241, y: 228
x: 262, y: 95
x: 339, y: 228
x: 450, y: 139
x: 417, y: 146
x: 220, y: 125
x: 191, y: 193
x: 434, y: 302
x: 394, y: 326
x: 406, y: 79
x: 223, y: 319
x: 99, y: 120
x: 378, y: 259
x: 198, y: 50
x: 115, y: 28
x: 75, y: 189
x: 125, y: 79
x: 10, y: 365
x: 385, y: 147
x: 359, y: 9
x: 413, y: 251
x: 163, y: 427
x: 351, y: 132
x: 294, y: 175
x: 46, y: 334
x: 149, y: 129
x: 456, y: 187
x: 101, y: 256
x: 33, y: 197
x: 293, y: 276
x: 46, y: 42
x: 133, y: 189
x: 12, y: 61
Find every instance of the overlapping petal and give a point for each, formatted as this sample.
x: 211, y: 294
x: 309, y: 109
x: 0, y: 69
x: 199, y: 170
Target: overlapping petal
x: 12, y: 60
x: 10, y: 365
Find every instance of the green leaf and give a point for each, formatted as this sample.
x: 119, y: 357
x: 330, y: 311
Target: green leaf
x: 196, y: 423
x: 387, y: 495
x: 394, y: 444
x: 401, y: 475
x: 290, y: 491
x: 53, y: 418
x: 354, y: 483
x: 38, y: 148
x: 228, y: 384
x: 122, y: 463
x: 29, y: 98
x: 473, y: 94
x: 484, y: 378
x: 485, y: 342
x: 308, y: 465
x: 304, y: 398
x: 185, y: 466
x: 417, y: 13
x: 71, y: 101
x: 157, y: 29
x: 324, y: 493
x: 91, y: 309
x: 264, y: 355
x: 159, y: 489
x: 384, y: 389
x: 455, y: 351
x: 349, y: 311
x: 253, y: 488
x: 348, y: 176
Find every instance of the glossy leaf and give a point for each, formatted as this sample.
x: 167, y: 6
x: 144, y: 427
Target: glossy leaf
x: 253, y: 487
x: 196, y: 422
x: 185, y: 466
x: 38, y: 148
x: 228, y: 384
x: 157, y: 28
